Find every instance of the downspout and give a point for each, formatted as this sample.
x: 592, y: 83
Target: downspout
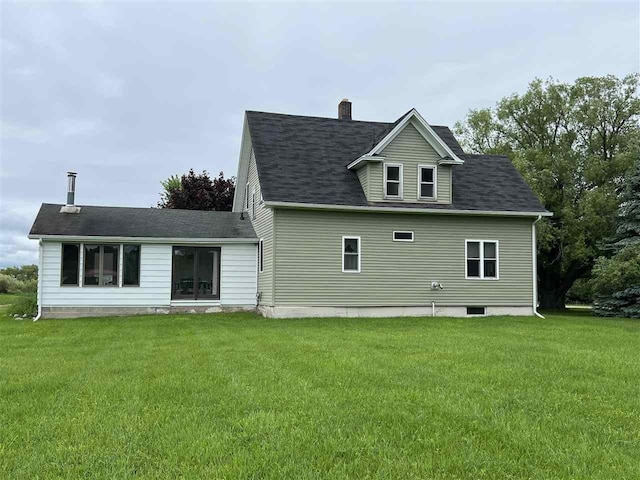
x: 433, y: 309
x: 534, y: 255
x: 39, y: 294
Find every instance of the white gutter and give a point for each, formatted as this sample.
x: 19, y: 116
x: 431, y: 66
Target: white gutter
x: 436, y: 211
x: 177, y: 241
x: 39, y: 293
x: 534, y: 254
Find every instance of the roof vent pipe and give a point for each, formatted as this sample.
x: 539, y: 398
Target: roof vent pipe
x: 71, y: 188
x: 70, y: 207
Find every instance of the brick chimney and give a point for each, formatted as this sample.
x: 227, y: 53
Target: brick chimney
x: 344, y: 110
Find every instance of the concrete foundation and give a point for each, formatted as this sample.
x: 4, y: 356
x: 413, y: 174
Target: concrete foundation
x: 419, y: 311
x: 78, y: 312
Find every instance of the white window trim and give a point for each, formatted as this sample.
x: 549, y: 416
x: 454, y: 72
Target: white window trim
x: 246, y: 197
x: 342, y: 253
x: 466, y: 263
x: 261, y: 256
x: 402, y: 239
x: 400, y: 181
x: 435, y: 182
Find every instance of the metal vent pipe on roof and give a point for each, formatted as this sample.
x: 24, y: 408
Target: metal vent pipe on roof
x: 71, y: 188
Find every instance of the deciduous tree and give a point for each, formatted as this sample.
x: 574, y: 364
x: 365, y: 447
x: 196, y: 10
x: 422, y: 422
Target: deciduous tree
x: 573, y: 143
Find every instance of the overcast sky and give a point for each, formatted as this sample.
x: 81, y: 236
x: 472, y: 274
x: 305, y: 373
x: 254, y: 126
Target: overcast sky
x: 128, y: 93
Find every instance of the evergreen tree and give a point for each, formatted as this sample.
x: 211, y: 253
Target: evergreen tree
x: 617, y: 279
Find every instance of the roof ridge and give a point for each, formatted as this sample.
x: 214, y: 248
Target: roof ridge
x: 317, y: 117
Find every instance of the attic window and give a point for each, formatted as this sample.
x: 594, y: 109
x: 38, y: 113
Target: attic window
x: 427, y: 182
x: 393, y: 180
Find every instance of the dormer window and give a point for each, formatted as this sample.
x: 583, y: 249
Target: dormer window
x: 393, y: 181
x: 427, y: 182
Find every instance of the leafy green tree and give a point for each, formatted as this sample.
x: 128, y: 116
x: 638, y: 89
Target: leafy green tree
x: 572, y: 143
x: 23, y: 273
x: 198, y: 192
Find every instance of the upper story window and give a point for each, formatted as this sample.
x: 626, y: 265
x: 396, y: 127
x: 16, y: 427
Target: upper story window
x: 393, y: 180
x: 246, y: 197
x: 351, y: 254
x: 427, y: 182
x: 482, y: 259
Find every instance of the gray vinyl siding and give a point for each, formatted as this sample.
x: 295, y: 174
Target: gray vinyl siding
x: 363, y: 176
x: 309, y: 268
x: 411, y: 149
x: 263, y: 225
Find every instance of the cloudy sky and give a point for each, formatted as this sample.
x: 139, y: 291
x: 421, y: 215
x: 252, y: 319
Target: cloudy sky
x: 128, y: 93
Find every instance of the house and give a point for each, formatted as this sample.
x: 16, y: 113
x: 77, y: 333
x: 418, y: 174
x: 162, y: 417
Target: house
x: 331, y: 217
x: 367, y: 218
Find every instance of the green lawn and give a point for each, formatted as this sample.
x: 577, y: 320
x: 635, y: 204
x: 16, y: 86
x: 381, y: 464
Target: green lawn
x: 238, y: 396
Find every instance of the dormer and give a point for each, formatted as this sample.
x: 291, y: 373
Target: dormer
x: 410, y: 164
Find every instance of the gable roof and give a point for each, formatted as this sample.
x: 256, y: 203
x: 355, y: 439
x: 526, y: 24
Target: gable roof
x: 94, y: 221
x: 303, y: 160
x: 423, y: 128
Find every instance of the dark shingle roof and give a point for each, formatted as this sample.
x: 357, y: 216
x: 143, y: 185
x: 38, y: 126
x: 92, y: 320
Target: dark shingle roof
x: 303, y: 160
x: 140, y: 222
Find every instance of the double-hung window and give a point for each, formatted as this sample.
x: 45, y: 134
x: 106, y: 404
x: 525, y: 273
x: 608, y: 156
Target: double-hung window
x: 482, y: 259
x: 351, y: 254
x: 101, y: 265
x: 393, y: 181
x: 427, y: 182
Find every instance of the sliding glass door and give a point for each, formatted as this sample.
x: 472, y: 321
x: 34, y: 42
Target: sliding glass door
x: 196, y: 273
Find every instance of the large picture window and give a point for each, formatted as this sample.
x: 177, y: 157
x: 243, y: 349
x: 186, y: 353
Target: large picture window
x: 393, y: 180
x: 196, y: 273
x: 482, y: 259
x: 101, y: 265
x: 351, y: 254
x: 70, y: 269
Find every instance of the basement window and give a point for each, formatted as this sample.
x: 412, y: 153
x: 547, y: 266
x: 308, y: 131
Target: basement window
x: 403, y: 236
x: 393, y: 181
x: 476, y: 310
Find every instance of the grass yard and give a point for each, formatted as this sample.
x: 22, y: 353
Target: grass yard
x: 238, y: 396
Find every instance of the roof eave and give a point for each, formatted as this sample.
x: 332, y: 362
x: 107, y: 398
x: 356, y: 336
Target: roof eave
x: 435, y: 211
x: 116, y: 239
x: 366, y: 159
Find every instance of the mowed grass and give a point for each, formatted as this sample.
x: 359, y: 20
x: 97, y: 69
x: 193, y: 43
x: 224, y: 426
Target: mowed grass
x: 238, y: 396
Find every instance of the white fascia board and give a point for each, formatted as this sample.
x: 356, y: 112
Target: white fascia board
x: 366, y: 158
x: 435, y: 211
x: 174, y: 241
x: 243, y: 165
x: 426, y: 131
